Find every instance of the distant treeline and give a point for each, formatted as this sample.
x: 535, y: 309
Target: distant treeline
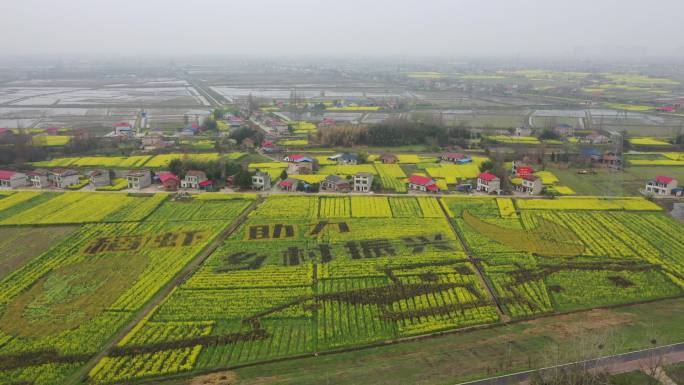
x: 394, y: 133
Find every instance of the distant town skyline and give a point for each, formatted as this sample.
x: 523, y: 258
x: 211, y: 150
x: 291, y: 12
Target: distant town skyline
x: 533, y: 28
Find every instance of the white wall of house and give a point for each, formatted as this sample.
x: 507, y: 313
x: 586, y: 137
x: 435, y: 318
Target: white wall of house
x: 16, y: 180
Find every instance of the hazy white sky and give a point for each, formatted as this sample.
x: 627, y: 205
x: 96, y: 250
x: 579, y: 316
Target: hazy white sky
x: 369, y: 27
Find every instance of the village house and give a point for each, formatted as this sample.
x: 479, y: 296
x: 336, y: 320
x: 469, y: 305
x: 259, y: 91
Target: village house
x: 488, y: 183
x: 422, y: 183
x: 531, y: 184
x: 39, y: 178
x: 261, y: 181
x: 267, y: 146
x: 345, y: 158
x: 169, y: 180
x: 301, y: 168
x: 661, y: 185
x: 52, y: 131
x: 139, y: 179
x: 12, y: 179
x: 235, y: 121
x: 99, y: 177
x: 298, y: 158
x: 326, y: 123
x: 248, y: 143
x: 62, y: 178
x: 456, y: 157
x: 288, y: 184
x: 206, y: 185
x: 123, y: 129
x: 193, y: 178
x: 522, y: 131
x: 335, y: 183
x: 595, y: 138
x: 363, y: 182
x: 564, y: 130
x: 388, y: 158
x: 155, y: 140
x: 519, y: 168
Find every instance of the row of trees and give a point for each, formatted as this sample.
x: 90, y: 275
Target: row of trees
x: 392, y: 133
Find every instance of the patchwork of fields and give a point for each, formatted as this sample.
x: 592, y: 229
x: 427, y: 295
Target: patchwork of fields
x: 307, y: 274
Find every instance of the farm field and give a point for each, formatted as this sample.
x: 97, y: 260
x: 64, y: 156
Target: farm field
x: 305, y: 274
x: 509, y: 348
x: 70, y: 292
x: 629, y: 182
x: 138, y: 161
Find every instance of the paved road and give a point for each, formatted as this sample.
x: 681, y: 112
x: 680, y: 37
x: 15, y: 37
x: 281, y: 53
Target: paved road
x: 635, y: 360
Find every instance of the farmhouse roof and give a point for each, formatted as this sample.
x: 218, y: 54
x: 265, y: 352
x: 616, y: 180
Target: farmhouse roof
x: 488, y: 177
x: 165, y: 176
x: 289, y: 182
x: 421, y: 180
x: 197, y: 173
x: 530, y: 177
x: 38, y: 172
x: 454, y: 155
x: 206, y: 183
x: 4, y: 174
x: 64, y: 172
x: 524, y: 170
x: 335, y: 179
x: 347, y: 156
x: 663, y: 179
x: 123, y: 124
x: 3, y: 130
x: 138, y: 173
x: 97, y: 172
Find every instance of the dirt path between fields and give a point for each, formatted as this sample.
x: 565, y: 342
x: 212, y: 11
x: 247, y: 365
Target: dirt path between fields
x: 184, y: 274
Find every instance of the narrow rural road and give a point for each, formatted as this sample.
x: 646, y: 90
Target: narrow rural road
x: 185, y: 273
x: 619, y: 363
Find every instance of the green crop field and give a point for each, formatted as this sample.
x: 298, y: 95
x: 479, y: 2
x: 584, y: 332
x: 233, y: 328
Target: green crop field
x: 306, y: 274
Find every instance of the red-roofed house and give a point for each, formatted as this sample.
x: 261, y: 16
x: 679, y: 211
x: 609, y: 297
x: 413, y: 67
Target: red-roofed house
x: 206, y: 185
x: 4, y: 130
x: 488, y: 183
x: 11, y: 179
x: 519, y: 169
x: 661, y: 185
x: 422, y: 183
x: 52, y: 130
x: 288, y: 184
x: 665, y: 109
x: 327, y: 122
x: 169, y: 180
